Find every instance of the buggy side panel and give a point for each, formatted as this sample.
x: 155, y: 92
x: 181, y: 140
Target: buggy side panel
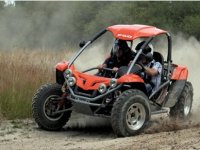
x: 179, y: 78
x: 180, y: 73
x: 174, y: 93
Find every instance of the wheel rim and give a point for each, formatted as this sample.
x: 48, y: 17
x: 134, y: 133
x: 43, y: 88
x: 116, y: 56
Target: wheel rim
x: 135, y: 116
x: 50, y: 106
x: 187, y: 105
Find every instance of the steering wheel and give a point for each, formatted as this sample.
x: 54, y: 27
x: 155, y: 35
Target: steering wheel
x: 107, y: 69
x: 110, y: 70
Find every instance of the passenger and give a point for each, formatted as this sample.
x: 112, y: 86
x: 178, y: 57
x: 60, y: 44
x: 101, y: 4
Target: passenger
x: 152, y: 69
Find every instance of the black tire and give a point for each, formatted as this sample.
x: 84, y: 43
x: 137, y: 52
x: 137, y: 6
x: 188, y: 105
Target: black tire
x: 130, y: 100
x: 182, y: 109
x: 41, y: 100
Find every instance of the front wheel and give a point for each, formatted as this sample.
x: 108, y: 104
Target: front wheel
x: 182, y: 109
x: 44, y: 103
x: 130, y: 113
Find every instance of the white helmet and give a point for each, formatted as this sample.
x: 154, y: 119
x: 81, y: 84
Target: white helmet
x: 147, y: 51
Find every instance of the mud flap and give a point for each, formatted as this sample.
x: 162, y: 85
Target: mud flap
x: 174, y: 93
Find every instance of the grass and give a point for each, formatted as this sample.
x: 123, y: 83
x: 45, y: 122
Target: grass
x: 22, y: 73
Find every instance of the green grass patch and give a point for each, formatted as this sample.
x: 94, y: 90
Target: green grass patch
x: 21, y: 75
x: 16, y: 104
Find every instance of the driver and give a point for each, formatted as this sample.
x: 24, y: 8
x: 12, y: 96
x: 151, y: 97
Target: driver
x: 120, y: 55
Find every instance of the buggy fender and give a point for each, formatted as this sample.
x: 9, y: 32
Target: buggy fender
x: 62, y: 66
x: 133, y: 81
x: 174, y: 93
x: 180, y: 73
x: 129, y: 78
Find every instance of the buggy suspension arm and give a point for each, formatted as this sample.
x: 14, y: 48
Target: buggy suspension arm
x: 87, y: 100
x: 61, y: 111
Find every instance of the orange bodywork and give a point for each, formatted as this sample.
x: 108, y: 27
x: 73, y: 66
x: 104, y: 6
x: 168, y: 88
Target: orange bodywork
x: 62, y: 66
x: 131, y: 32
x: 92, y: 82
x: 89, y: 82
x: 180, y: 73
x: 130, y: 78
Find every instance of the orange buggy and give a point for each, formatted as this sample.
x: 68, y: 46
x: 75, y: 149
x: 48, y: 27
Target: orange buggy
x: 122, y: 99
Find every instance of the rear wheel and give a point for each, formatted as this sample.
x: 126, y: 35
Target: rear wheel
x: 44, y: 103
x: 130, y: 113
x: 182, y: 109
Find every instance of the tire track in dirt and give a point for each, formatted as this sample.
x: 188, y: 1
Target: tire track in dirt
x: 82, y: 133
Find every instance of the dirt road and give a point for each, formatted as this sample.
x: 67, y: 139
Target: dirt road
x: 90, y: 133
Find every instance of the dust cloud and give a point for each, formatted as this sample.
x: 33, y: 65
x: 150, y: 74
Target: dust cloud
x: 92, y: 57
x: 32, y: 25
x: 186, y: 51
x: 8, y: 3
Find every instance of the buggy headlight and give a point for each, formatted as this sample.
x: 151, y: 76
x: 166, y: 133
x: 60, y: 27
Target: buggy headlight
x: 68, y: 73
x: 113, y: 83
x: 71, y: 81
x: 102, y: 88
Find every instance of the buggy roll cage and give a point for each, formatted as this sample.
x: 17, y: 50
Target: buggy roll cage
x: 169, y: 61
x: 78, y: 98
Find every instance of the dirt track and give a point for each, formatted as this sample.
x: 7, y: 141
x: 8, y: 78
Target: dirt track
x: 86, y: 133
